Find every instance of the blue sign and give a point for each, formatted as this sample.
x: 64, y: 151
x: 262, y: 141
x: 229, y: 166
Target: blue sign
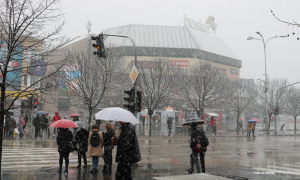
x: 38, y: 68
x: 14, y: 66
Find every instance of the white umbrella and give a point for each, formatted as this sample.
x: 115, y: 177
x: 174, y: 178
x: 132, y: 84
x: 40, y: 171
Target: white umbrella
x: 213, y: 114
x: 116, y: 114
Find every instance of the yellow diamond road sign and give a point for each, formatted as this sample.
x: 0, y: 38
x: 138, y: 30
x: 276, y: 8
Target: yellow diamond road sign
x: 133, y: 74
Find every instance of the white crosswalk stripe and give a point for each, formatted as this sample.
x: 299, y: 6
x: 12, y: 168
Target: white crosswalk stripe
x: 283, y: 169
x: 34, y: 158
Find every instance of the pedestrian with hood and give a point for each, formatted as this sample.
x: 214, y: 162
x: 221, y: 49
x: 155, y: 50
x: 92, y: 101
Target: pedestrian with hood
x: 64, y: 142
x: 21, y: 123
x: 96, y: 145
x: 108, y: 147
x: 128, y: 152
x: 198, y: 144
x: 56, y: 118
x: 81, y: 143
x: 213, y: 125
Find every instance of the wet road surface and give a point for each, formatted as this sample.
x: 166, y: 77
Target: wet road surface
x: 255, y: 158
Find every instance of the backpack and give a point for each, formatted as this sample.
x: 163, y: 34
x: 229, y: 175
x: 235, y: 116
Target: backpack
x: 199, y: 142
x: 23, y: 122
x: 95, y: 139
x: 252, y: 126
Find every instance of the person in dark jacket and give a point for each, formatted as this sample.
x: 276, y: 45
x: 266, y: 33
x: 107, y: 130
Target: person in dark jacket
x: 197, y: 137
x: 37, y: 125
x: 128, y: 152
x: 108, y: 147
x: 81, y: 143
x: 44, y: 124
x: 12, y: 124
x: 169, y: 121
x: 64, y: 139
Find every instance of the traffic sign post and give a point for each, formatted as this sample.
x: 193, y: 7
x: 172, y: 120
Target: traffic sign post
x: 133, y: 74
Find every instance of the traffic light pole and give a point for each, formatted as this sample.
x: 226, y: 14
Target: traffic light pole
x: 135, y: 63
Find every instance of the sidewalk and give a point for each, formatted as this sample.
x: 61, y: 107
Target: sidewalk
x: 200, y: 176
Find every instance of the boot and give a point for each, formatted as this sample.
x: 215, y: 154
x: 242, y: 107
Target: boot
x: 190, y: 171
x: 60, y: 168
x: 66, y: 170
x: 85, y: 163
x: 79, y: 162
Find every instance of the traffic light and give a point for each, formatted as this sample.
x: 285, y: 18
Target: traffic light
x: 99, y: 45
x: 130, y: 99
x: 35, y: 103
x: 30, y: 101
x: 139, y: 101
x: 276, y: 110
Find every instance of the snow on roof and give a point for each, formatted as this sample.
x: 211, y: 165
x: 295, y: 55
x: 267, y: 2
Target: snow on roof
x: 168, y: 37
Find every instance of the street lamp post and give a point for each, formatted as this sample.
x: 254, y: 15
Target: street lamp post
x: 266, y: 76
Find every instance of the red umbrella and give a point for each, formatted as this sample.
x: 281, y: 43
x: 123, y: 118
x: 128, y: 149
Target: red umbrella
x: 64, y: 123
x: 74, y: 115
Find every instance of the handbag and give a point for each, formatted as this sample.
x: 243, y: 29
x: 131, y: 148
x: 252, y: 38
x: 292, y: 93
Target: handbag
x: 16, y: 131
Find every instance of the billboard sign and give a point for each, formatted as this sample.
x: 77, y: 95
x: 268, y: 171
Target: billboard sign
x: 38, y: 68
x: 184, y: 63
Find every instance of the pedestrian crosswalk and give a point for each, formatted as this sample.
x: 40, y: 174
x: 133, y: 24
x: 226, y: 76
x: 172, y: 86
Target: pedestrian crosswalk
x: 28, y: 158
x: 290, y: 169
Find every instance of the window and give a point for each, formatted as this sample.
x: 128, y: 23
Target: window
x: 29, y: 80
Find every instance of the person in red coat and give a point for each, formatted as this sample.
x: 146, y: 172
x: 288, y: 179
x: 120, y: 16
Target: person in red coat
x: 213, y: 125
x: 56, y: 118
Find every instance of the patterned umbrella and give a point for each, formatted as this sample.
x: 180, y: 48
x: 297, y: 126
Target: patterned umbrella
x: 74, y: 115
x: 64, y: 123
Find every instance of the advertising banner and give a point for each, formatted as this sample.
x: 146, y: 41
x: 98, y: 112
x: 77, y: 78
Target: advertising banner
x: 179, y: 63
x: 14, y: 66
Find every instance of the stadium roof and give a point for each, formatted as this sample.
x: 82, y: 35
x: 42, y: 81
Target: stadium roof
x: 171, y: 40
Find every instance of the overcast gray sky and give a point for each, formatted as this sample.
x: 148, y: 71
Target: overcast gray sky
x: 236, y: 19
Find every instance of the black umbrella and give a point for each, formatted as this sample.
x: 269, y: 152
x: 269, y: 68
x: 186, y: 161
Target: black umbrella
x: 188, y: 123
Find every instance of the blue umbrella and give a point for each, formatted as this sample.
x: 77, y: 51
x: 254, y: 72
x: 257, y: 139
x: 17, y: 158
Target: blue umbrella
x: 40, y: 112
x: 252, y: 120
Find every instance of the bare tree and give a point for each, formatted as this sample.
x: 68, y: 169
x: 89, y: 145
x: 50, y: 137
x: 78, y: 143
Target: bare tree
x: 243, y: 95
x: 273, y: 96
x: 25, y: 26
x: 90, y: 79
x: 204, y: 87
x: 156, y: 82
x: 292, y: 104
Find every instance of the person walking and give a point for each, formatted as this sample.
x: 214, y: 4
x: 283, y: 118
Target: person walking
x: 253, y: 124
x: 96, y: 145
x: 213, y: 125
x: 241, y: 125
x: 128, y: 152
x: 169, y: 121
x: 21, y: 123
x: 37, y: 125
x: 198, y: 144
x: 56, y: 118
x: 11, y: 123
x: 75, y: 129
x: 248, y: 129
x: 49, y: 122
x: 44, y: 125
x: 108, y: 147
x: 64, y: 139
x: 81, y: 143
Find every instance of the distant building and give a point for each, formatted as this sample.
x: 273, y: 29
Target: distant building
x: 250, y: 81
x: 183, y: 46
